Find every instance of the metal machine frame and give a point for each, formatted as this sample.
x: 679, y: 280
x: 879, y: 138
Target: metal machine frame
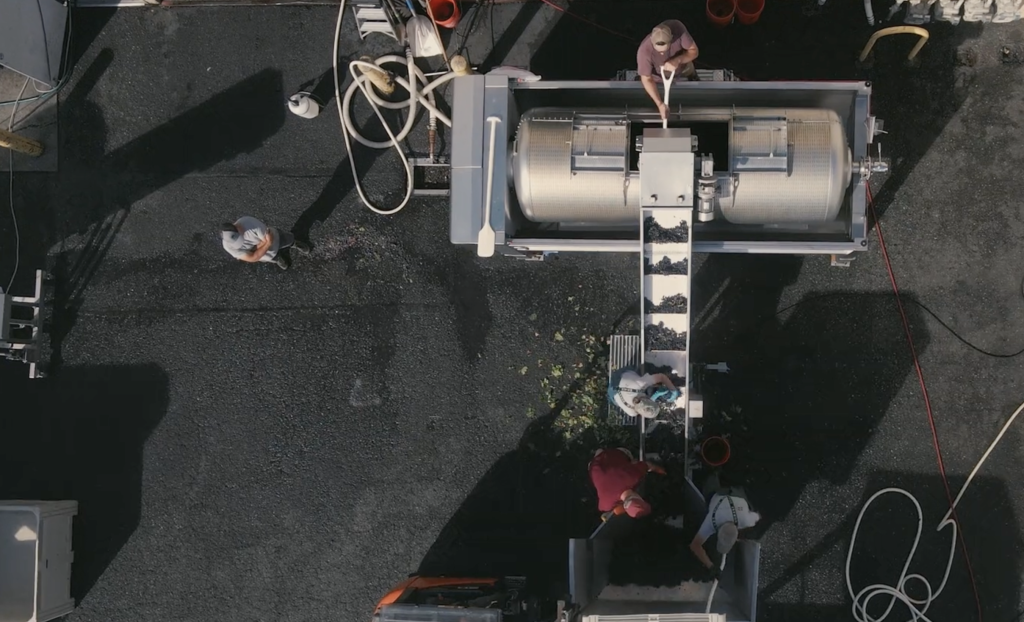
x: 28, y: 322
x: 480, y: 97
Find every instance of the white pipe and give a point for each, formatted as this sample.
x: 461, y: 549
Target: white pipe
x: 714, y: 586
x: 869, y: 12
x: 424, y: 97
x: 899, y: 593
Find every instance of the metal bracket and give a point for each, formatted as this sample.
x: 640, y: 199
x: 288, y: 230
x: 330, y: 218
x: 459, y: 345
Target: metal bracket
x: 842, y: 261
x: 431, y: 178
x: 20, y: 335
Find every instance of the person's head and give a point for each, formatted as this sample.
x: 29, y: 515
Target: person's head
x: 661, y: 37
x: 635, y: 505
x: 727, y: 535
x: 646, y: 407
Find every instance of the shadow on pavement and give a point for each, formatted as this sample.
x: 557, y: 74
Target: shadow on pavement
x: 80, y: 436
x: 808, y: 386
x: 807, y: 390
x: 97, y: 189
x: 518, y: 519
x: 887, y: 534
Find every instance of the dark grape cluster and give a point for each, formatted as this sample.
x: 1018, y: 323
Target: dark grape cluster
x: 660, y: 337
x: 679, y: 381
x: 666, y: 266
x: 653, y: 232
x: 670, y: 304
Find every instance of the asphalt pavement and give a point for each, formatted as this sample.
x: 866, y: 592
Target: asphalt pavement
x: 253, y: 444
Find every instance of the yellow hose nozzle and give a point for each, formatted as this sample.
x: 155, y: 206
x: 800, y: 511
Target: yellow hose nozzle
x: 20, y: 144
x: 380, y: 79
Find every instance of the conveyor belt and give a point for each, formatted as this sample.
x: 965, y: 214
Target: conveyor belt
x: 659, y: 289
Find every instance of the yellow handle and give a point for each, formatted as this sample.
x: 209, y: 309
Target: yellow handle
x: 897, y: 30
x: 20, y: 144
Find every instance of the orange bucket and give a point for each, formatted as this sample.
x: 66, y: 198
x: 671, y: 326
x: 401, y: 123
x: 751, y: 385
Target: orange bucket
x: 715, y: 451
x: 720, y: 12
x: 446, y: 13
x: 748, y: 11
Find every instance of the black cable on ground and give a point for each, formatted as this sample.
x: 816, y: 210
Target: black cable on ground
x: 923, y: 307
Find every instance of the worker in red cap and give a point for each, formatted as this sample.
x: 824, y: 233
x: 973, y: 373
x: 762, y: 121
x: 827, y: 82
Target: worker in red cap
x: 616, y: 475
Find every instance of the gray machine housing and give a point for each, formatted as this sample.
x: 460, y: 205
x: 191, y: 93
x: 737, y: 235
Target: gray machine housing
x: 516, y: 104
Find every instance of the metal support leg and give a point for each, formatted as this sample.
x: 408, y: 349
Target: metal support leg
x: 15, y: 344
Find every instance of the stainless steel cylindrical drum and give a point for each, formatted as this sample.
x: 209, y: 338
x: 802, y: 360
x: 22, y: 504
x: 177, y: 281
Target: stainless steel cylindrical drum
x: 800, y: 181
x: 569, y: 168
x: 785, y: 166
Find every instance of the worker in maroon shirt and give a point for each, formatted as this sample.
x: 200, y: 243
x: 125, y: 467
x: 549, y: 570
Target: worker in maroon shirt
x: 616, y: 476
x: 671, y: 47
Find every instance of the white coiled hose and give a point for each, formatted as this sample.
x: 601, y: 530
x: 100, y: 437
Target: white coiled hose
x: 424, y: 97
x: 898, y: 594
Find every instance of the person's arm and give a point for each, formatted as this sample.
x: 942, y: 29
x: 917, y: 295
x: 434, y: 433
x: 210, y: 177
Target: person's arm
x: 688, y: 55
x: 652, y: 90
x: 663, y: 380
x: 697, y: 546
x: 261, y: 249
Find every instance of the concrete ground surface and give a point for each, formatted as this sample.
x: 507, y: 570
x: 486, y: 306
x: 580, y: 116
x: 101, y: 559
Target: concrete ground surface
x: 251, y: 444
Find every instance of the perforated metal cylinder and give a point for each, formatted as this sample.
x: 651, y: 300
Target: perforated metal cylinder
x: 787, y: 166
x: 570, y: 169
x: 810, y: 186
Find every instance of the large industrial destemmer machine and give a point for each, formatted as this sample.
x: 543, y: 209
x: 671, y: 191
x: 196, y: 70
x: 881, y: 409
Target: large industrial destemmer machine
x: 542, y: 167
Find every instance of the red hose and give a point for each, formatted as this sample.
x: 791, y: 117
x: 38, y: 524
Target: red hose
x: 924, y: 392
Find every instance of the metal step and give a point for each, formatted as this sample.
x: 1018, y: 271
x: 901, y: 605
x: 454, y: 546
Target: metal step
x: 624, y: 353
x: 376, y: 16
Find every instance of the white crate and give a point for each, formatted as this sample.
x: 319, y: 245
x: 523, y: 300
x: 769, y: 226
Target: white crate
x: 35, y: 560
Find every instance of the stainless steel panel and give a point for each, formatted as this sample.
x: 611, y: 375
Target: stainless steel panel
x: 581, y: 572
x: 466, y: 205
x: 496, y: 105
x: 468, y: 132
x: 666, y: 168
x: 760, y: 144
x: 699, y: 246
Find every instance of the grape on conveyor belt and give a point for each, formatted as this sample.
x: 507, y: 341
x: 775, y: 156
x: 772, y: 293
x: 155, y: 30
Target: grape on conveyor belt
x: 666, y: 266
x: 660, y: 337
x: 669, y: 304
x: 655, y: 233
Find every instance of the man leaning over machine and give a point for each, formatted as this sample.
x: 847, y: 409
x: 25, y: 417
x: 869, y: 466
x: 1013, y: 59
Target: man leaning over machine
x: 728, y: 512
x: 669, y: 47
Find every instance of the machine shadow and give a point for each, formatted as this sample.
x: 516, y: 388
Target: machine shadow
x: 80, y: 436
x: 518, y: 519
x: 520, y: 515
x: 96, y: 190
x: 791, y: 41
x: 808, y: 385
x: 884, y: 541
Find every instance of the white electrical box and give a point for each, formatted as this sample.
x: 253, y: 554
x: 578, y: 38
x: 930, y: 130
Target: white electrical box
x: 35, y: 560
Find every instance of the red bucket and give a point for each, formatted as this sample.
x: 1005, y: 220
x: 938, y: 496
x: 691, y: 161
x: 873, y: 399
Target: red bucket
x: 721, y: 12
x: 748, y: 11
x: 446, y: 13
x: 715, y: 451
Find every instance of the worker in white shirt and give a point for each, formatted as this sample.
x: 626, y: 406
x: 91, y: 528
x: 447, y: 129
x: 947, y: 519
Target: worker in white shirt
x: 728, y: 513
x: 642, y: 396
